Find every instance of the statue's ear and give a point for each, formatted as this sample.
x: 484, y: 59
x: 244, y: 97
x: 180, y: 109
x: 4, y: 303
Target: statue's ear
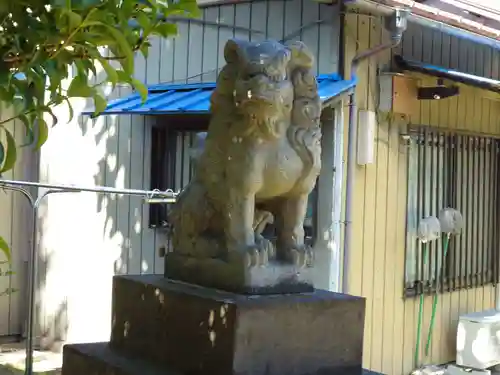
x: 234, y: 50
x: 301, y: 56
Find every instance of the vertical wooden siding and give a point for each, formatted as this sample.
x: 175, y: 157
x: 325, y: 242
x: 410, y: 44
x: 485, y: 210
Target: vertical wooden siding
x: 377, y: 261
x: 87, y: 238
x: 15, y: 229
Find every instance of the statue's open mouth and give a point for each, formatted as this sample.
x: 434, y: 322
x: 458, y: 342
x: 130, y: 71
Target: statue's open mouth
x: 258, y: 109
x: 257, y: 103
x: 258, y: 97
x: 271, y: 98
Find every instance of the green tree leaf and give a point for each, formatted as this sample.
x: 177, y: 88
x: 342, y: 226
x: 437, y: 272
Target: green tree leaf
x: 144, y: 21
x: 141, y: 88
x: 86, y: 66
x: 4, y: 248
x: 42, y: 134
x: 74, y: 20
x: 6, y: 95
x: 49, y: 111
x: 11, y: 152
x: 124, y: 48
x: 2, y: 153
x: 79, y: 87
x: 110, y: 71
x: 124, y: 77
x: 145, y: 49
x: 100, y: 103
x: 30, y: 135
x: 165, y: 29
x: 70, y: 109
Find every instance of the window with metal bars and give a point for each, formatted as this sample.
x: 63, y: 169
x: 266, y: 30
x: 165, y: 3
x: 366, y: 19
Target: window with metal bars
x: 172, y: 168
x: 460, y: 171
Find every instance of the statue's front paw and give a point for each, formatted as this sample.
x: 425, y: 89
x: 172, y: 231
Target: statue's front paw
x: 265, y: 246
x: 260, y: 253
x: 299, y: 256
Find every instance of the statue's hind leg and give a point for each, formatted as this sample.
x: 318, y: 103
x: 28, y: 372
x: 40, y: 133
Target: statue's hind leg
x: 291, y: 247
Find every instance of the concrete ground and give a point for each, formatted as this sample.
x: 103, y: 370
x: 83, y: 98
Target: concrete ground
x: 453, y: 370
x: 12, y: 357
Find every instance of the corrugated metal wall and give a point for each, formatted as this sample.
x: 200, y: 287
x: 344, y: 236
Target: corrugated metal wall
x: 86, y: 238
x: 199, y: 48
x: 434, y: 47
x: 377, y: 264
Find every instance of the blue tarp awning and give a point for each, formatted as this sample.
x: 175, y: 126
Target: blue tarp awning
x: 451, y: 74
x: 176, y: 99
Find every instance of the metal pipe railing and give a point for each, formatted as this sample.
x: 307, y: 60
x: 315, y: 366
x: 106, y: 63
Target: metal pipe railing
x: 149, y: 197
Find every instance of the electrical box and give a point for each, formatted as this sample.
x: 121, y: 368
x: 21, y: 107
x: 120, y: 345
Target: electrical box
x: 367, y: 121
x: 478, y: 340
x: 398, y: 94
x: 404, y: 94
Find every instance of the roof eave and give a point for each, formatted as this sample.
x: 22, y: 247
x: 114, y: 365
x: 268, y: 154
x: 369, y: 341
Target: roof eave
x: 430, y: 13
x: 449, y: 74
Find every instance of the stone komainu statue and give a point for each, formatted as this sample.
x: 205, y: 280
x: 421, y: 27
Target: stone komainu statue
x: 259, y: 162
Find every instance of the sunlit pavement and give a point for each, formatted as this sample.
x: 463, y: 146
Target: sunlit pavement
x: 12, y: 359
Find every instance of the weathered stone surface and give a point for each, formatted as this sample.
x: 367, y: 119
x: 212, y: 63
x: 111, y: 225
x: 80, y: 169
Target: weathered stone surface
x: 200, y: 331
x: 259, y: 163
x: 99, y: 359
x: 215, y: 273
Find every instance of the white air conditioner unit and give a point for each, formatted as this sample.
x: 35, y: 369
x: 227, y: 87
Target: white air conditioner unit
x: 478, y: 343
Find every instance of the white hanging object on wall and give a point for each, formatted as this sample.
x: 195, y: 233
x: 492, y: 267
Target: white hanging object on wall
x: 429, y: 229
x: 451, y: 221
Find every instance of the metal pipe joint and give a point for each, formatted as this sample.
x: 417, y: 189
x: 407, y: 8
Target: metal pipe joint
x: 397, y: 23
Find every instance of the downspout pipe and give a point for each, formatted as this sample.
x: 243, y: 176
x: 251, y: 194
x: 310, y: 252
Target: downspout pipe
x: 396, y: 24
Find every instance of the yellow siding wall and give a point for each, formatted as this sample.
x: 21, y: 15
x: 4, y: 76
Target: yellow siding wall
x: 376, y: 269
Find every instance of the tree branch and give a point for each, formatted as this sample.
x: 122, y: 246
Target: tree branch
x: 24, y: 113
x: 13, y: 62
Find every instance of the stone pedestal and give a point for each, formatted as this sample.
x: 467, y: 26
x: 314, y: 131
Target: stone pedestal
x: 274, y: 278
x: 165, y: 327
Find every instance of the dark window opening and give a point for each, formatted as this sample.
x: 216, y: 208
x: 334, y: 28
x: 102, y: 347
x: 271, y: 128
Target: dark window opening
x: 459, y: 171
x: 171, y: 167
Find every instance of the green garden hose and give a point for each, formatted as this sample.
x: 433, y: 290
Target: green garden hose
x: 450, y: 222
x: 421, y: 309
x: 446, y: 241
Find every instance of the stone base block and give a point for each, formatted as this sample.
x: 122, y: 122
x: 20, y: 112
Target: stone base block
x: 234, y: 277
x: 454, y: 369
x: 201, y: 331
x: 99, y: 359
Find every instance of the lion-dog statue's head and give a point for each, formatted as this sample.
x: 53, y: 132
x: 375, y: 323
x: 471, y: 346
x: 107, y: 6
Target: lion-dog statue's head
x: 260, y: 83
